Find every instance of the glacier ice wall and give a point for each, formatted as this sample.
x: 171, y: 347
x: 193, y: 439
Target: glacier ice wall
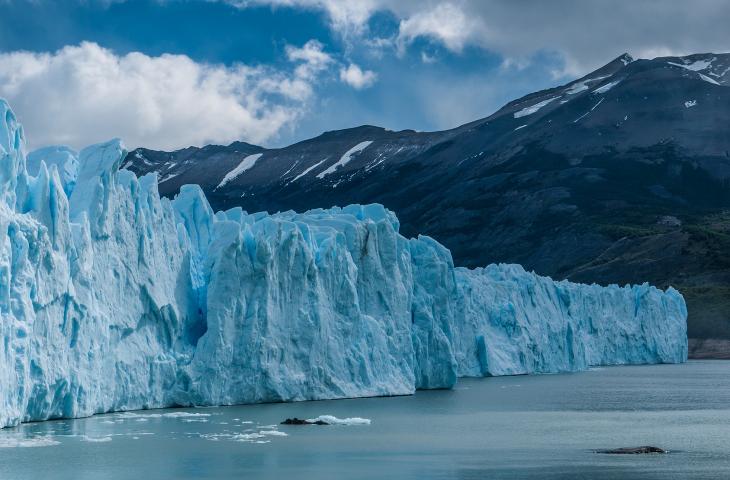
x: 113, y: 298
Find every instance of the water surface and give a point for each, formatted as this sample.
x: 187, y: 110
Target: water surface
x: 525, y: 427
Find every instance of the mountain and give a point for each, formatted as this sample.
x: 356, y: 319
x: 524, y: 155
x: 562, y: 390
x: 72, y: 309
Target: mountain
x: 620, y: 176
x: 115, y: 299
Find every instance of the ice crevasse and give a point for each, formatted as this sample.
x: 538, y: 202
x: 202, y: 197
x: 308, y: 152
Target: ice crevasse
x: 112, y: 298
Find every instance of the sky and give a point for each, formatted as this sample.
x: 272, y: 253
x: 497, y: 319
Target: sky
x: 167, y: 74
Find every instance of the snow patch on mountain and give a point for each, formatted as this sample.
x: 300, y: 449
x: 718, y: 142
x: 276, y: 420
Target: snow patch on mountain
x: 696, y: 65
x: 708, y: 79
x: 582, y: 85
x: 309, y: 169
x: 589, y: 111
x: 246, y: 164
x: 533, y: 108
x: 605, y: 88
x: 345, y: 159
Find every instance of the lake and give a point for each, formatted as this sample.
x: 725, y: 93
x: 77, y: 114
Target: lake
x: 523, y: 427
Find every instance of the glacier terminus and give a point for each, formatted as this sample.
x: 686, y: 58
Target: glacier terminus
x: 112, y: 299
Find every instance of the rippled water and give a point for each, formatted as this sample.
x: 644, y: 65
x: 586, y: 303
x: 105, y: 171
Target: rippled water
x: 537, y: 427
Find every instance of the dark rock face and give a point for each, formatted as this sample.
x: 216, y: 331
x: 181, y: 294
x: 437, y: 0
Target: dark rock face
x: 632, y: 450
x: 621, y: 176
x: 300, y: 421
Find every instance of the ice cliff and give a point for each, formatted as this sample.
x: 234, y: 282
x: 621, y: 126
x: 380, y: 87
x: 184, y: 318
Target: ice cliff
x: 112, y: 298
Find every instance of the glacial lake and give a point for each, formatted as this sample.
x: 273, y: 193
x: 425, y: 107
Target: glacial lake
x: 524, y: 427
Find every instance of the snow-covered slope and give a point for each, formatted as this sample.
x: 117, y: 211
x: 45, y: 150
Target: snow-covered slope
x: 113, y: 299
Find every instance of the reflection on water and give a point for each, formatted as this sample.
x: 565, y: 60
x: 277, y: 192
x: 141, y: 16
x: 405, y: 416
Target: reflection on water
x: 534, y: 427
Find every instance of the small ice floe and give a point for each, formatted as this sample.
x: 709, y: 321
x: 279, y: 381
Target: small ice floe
x: 143, y: 417
x: 690, y: 103
x: 273, y: 433
x: 252, y: 437
x: 27, y: 442
x: 332, y: 420
x: 86, y: 438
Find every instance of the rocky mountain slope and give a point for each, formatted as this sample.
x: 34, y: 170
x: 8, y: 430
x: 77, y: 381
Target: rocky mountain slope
x: 619, y: 176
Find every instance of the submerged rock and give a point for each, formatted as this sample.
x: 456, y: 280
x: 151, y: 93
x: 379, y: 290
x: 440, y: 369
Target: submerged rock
x: 633, y: 450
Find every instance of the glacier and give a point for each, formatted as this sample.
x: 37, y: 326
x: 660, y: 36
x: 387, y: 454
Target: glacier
x: 113, y: 299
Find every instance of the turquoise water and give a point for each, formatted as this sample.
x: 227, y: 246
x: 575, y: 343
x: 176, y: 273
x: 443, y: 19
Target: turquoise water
x: 527, y: 427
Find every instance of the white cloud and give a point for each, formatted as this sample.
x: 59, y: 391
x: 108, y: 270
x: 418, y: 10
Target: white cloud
x: 84, y: 94
x: 347, y: 17
x: 585, y: 34
x: 312, y: 54
x: 426, y: 58
x: 356, y: 77
x: 445, y: 23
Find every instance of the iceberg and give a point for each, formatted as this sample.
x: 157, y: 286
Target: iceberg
x: 114, y: 299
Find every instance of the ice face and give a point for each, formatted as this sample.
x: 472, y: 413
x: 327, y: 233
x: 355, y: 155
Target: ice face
x: 113, y: 298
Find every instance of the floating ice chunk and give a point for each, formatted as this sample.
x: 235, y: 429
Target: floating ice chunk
x: 690, y: 103
x: 17, y: 441
x: 246, y: 164
x: 332, y: 420
x: 346, y: 157
x: 145, y: 416
x: 86, y: 438
x: 273, y: 433
x: 533, y: 108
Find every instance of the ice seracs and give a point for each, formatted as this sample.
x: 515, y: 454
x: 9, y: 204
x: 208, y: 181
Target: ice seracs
x: 113, y: 299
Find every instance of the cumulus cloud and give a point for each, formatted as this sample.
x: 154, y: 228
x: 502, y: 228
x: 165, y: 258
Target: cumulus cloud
x: 84, y: 94
x: 312, y: 54
x: 445, y: 23
x: 585, y: 34
x: 356, y: 77
x: 345, y: 17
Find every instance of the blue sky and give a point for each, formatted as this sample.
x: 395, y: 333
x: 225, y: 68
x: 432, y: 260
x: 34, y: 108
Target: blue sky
x: 173, y: 73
